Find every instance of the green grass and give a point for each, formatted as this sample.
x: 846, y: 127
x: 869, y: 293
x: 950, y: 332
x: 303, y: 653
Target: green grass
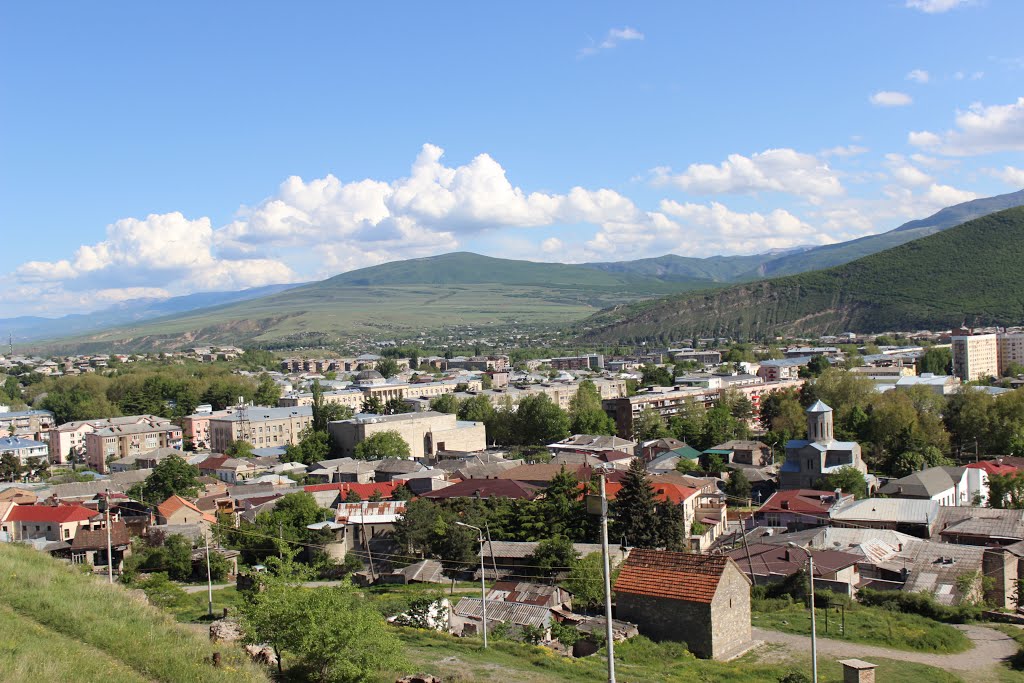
x: 104, y: 628
x: 1013, y: 670
x: 868, y: 625
x: 461, y: 660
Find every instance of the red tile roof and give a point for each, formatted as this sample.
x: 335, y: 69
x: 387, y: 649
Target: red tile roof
x: 486, y: 488
x: 805, y: 501
x: 365, y: 491
x: 175, y: 503
x: 52, y: 514
x: 993, y: 467
x: 691, y: 577
x: 213, y: 463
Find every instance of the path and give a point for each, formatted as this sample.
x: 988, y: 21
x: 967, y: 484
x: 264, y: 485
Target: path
x: 202, y: 587
x: 990, y: 647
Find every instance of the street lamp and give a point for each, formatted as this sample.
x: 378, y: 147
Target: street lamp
x: 814, y: 635
x: 483, y: 585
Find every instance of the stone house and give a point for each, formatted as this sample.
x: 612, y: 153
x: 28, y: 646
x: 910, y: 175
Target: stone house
x: 702, y: 600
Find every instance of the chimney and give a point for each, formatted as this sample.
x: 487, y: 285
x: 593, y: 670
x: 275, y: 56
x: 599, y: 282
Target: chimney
x: 787, y: 555
x: 838, y: 493
x: 785, y: 505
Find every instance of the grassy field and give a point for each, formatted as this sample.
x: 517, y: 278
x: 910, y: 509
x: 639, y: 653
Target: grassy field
x: 462, y: 660
x: 869, y: 625
x: 1013, y: 670
x: 62, y: 625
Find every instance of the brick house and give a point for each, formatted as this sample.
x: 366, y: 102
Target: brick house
x: 703, y: 600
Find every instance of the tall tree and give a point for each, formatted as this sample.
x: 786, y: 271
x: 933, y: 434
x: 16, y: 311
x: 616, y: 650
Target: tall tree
x: 386, y: 444
x: 373, y: 406
x: 634, y: 509
x: 539, y: 421
x: 648, y: 425
x: 313, y: 447
x: 171, y: 476
x: 267, y: 391
x: 388, y: 367
x: 562, y: 507
x: 847, y: 479
x: 586, y: 414
x: 445, y: 403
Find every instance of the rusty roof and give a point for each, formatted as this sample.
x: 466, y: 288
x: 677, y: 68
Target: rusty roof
x: 691, y: 577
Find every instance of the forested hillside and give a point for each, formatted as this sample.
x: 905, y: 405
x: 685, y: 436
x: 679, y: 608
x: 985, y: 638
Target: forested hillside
x: 972, y: 274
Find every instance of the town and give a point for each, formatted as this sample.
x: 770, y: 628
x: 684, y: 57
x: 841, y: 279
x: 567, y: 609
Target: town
x: 894, y: 463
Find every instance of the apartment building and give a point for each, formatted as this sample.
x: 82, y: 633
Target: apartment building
x: 261, y: 427
x: 67, y: 441
x: 985, y: 355
x: 593, y: 361
x: 196, y: 427
x: 34, y: 424
x: 785, y: 368
x: 370, y: 384
x: 23, y: 449
x: 122, y: 441
x: 560, y: 393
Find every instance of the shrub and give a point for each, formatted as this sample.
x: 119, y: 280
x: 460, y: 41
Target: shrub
x: 923, y: 604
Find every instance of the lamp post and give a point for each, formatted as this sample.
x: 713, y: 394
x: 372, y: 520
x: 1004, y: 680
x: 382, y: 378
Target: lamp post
x: 814, y: 635
x: 483, y: 585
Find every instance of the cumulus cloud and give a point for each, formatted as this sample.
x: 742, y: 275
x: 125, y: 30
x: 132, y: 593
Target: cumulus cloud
x: 890, y: 98
x: 612, y: 40
x: 978, y: 130
x: 936, y: 6
x: 147, y: 255
x: 918, y: 76
x: 774, y: 170
x: 703, y: 230
x: 1010, y: 175
x: 905, y: 173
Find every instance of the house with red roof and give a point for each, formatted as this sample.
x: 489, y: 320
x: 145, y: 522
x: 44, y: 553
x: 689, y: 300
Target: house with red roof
x: 708, y: 510
x: 702, y: 600
x: 177, y: 510
x: 798, y: 509
x: 52, y: 522
x: 977, y: 478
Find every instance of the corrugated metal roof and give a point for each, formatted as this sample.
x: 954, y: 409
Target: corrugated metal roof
x: 903, y: 510
x: 511, y: 612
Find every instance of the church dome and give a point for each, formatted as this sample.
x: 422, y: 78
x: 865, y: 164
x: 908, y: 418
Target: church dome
x: 369, y: 378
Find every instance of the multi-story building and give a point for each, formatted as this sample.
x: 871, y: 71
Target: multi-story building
x: 985, y: 355
x: 593, y: 361
x: 426, y: 433
x: 704, y: 357
x: 67, y: 441
x: 122, y: 441
x: 196, y: 427
x: 23, y: 449
x: 785, y: 368
x: 560, y: 393
x: 33, y: 424
x: 975, y: 355
x: 479, y: 363
x: 670, y: 401
x: 261, y: 427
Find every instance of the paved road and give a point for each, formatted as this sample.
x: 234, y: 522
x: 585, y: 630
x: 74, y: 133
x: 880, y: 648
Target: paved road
x: 990, y: 647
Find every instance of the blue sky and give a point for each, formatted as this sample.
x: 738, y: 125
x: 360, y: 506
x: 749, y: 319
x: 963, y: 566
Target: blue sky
x: 155, y: 150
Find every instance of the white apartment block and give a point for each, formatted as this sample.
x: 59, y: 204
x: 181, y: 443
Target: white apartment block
x: 985, y: 355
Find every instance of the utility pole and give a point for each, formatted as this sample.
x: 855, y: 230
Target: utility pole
x: 110, y: 557
x: 814, y: 635
x: 483, y: 584
x: 366, y: 541
x: 607, y: 582
x: 209, y: 580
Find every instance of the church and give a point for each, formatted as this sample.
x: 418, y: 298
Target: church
x: 810, y: 459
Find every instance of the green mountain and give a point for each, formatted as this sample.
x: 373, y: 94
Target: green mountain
x: 403, y: 297
x: 970, y: 273
x: 801, y: 260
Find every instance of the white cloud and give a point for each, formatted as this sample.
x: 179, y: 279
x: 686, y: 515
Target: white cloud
x: 905, y: 173
x: 1010, y: 175
x: 774, y: 170
x: 890, y: 98
x: 979, y: 130
x: 165, y: 250
x: 703, y: 230
x: 552, y: 245
x: 844, y: 151
x: 612, y: 40
x: 918, y: 76
x: 936, y: 6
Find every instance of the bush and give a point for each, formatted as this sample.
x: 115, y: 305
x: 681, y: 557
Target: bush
x: 923, y: 604
x: 795, y: 677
